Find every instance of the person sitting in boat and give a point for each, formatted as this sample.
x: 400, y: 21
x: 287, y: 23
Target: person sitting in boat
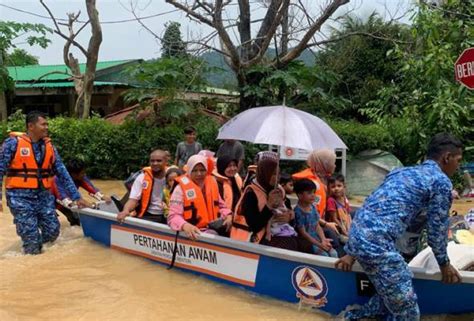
x: 195, y: 201
x: 385, y: 216
x: 172, y: 173
x: 287, y: 183
x: 146, y: 199
x: 338, y: 209
x: 307, y: 218
x: 256, y: 208
x: 228, y: 180
x: 77, y: 170
x: 322, y: 164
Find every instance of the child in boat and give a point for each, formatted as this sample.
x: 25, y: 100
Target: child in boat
x: 171, y: 174
x: 286, y: 181
x: 274, y: 228
x: 307, y: 219
x: 338, y: 209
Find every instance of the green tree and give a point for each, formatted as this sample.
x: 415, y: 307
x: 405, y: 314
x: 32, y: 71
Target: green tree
x: 20, y: 57
x: 308, y: 88
x: 163, y: 82
x: 427, y: 98
x: 9, y: 32
x: 172, y: 44
x: 358, y: 55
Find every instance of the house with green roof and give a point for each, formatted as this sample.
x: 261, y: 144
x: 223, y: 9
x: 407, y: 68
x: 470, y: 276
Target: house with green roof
x: 50, y: 88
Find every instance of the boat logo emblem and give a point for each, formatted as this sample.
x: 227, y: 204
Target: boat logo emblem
x: 24, y: 151
x: 310, y: 285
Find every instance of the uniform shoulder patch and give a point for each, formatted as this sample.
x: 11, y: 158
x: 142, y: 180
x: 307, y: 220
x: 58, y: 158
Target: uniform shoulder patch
x: 185, y: 180
x: 24, y: 151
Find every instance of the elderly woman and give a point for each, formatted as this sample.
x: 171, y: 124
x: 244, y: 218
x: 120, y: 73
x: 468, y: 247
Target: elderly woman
x: 321, y: 165
x: 228, y: 180
x: 195, y: 201
x: 258, y: 205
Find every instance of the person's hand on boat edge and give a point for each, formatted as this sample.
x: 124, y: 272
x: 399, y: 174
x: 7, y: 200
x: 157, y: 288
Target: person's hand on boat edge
x: 228, y: 222
x: 345, y: 263
x: 449, y: 274
x: 122, y: 215
x: 81, y: 203
x: 191, y: 231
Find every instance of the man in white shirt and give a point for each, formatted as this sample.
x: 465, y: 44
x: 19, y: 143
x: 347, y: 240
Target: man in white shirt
x: 146, y: 196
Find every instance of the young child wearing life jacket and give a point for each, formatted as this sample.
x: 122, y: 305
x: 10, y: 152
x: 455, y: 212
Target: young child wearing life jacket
x: 307, y: 219
x: 337, y: 208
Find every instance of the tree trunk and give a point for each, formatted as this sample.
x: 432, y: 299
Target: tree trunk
x: 3, y: 107
x: 92, y: 56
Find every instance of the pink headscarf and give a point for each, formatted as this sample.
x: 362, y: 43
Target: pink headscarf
x: 194, y: 160
x: 322, y: 162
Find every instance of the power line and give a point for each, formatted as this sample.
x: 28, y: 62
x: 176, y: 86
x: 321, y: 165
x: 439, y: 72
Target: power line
x: 102, y: 22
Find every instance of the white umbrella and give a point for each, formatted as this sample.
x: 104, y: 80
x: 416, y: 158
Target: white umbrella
x: 282, y: 126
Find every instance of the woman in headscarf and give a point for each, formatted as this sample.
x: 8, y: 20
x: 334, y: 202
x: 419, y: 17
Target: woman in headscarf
x: 321, y: 165
x: 195, y: 201
x: 228, y: 180
x: 257, y: 207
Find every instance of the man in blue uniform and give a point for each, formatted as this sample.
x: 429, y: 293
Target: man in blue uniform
x: 30, y: 162
x: 384, y: 217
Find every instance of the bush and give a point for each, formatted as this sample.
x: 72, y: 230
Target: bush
x: 112, y: 151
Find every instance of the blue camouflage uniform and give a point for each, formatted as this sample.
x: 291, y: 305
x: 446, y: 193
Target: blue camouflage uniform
x: 34, y: 209
x: 383, y: 218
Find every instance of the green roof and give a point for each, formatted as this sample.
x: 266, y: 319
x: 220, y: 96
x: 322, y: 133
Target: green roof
x: 33, y: 72
x: 65, y: 84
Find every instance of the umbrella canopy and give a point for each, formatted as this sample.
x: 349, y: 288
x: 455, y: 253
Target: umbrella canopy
x: 282, y: 126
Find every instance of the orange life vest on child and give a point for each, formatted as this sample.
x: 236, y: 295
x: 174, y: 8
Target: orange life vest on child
x: 147, y: 190
x: 240, y: 230
x: 228, y: 194
x: 24, y: 171
x: 320, y: 193
x: 199, y: 209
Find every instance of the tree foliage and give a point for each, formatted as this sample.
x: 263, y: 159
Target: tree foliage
x: 162, y: 82
x: 172, y: 44
x: 10, y: 31
x: 427, y: 97
x: 360, y: 60
x: 308, y: 88
x: 20, y: 57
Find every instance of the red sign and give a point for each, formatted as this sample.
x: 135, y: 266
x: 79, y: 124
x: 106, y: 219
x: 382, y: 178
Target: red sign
x: 464, y: 68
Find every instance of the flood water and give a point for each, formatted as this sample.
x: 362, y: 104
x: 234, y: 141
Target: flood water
x: 78, y: 279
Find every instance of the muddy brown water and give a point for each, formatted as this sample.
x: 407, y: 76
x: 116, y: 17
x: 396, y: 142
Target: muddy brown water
x: 78, y: 279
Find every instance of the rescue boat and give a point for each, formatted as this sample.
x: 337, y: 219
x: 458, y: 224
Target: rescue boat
x: 281, y: 274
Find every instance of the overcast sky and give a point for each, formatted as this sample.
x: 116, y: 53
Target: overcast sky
x: 129, y: 40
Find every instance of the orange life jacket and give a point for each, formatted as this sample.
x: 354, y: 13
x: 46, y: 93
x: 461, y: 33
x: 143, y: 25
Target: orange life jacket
x: 240, y: 230
x: 147, y: 189
x: 320, y: 193
x: 227, y: 193
x: 24, y: 171
x: 199, y: 208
